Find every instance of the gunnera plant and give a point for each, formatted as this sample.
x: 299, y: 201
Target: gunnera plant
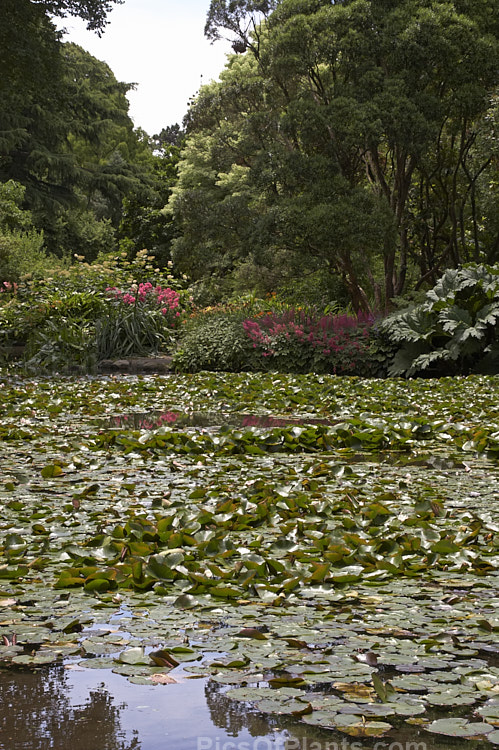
x: 454, y: 331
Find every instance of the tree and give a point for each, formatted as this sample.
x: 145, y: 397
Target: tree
x: 29, y: 68
x: 67, y: 137
x: 240, y: 18
x: 144, y: 223
x: 93, y: 11
x: 346, y: 111
x: 65, y: 132
x: 406, y: 76
x: 112, y: 160
x: 30, y: 65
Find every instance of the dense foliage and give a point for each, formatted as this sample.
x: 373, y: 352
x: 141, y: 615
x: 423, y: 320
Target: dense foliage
x: 454, y: 331
x: 216, y: 342
x: 67, y: 139
x: 356, y: 137
x: 21, y: 245
x: 80, y: 315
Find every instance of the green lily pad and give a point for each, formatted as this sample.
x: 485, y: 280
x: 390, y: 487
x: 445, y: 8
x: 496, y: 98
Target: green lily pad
x: 133, y: 656
x: 38, y: 659
x: 51, y: 470
x: 458, y: 727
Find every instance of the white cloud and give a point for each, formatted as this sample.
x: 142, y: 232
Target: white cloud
x: 160, y: 46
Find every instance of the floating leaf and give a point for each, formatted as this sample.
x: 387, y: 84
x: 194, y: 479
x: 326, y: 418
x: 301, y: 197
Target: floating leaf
x: 163, y: 658
x: 51, y: 470
x: 133, y: 656
x: 163, y: 679
x: 252, y: 633
x: 458, y: 727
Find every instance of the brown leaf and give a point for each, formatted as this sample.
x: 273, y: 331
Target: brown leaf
x: 252, y: 633
x: 369, y: 657
x: 163, y: 679
x: 163, y: 658
x: 295, y: 643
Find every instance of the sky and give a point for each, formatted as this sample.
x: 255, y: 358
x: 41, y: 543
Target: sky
x: 160, y: 46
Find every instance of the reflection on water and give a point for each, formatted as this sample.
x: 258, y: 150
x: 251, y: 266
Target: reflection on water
x: 94, y: 709
x: 37, y: 713
x: 148, y: 421
x: 234, y: 716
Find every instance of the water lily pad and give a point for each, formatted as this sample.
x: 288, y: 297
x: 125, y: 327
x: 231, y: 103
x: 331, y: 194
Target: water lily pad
x: 95, y: 646
x: 97, y: 663
x: 449, y: 698
x: 321, y: 718
x: 366, y: 729
x: 458, y: 727
x: 51, y: 470
x: 252, y: 695
x: 288, y: 706
x: 163, y: 679
x: 185, y: 601
x: 38, y: 659
x: 490, y: 712
x: 139, y: 680
x: 408, y: 708
x: 133, y: 656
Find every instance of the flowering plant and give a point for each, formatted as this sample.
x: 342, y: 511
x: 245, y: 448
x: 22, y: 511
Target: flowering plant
x: 301, y: 341
x: 9, y: 286
x: 160, y: 299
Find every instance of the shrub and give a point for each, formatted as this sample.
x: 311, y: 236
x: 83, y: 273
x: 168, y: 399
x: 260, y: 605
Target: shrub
x: 256, y: 339
x: 216, y: 342
x: 33, y: 305
x: 22, y: 253
x: 62, y: 345
x: 454, y: 331
x: 21, y: 246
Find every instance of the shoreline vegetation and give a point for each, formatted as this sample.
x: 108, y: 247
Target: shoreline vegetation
x: 118, y: 310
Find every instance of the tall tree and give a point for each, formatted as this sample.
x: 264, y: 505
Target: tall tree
x: 356, y: 100
x: 144, y: 222
x: 241, y: 19
x: 65, y: 133
x: 111, y: 160
x: 94, y: 12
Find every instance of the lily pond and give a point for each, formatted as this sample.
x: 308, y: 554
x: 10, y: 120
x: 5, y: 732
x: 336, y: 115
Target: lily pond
x: 294, y: 561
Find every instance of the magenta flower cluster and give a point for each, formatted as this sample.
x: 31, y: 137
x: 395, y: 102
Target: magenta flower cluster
x: 164, y: 298
x: 324, y: 336
x: 8, y: 286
